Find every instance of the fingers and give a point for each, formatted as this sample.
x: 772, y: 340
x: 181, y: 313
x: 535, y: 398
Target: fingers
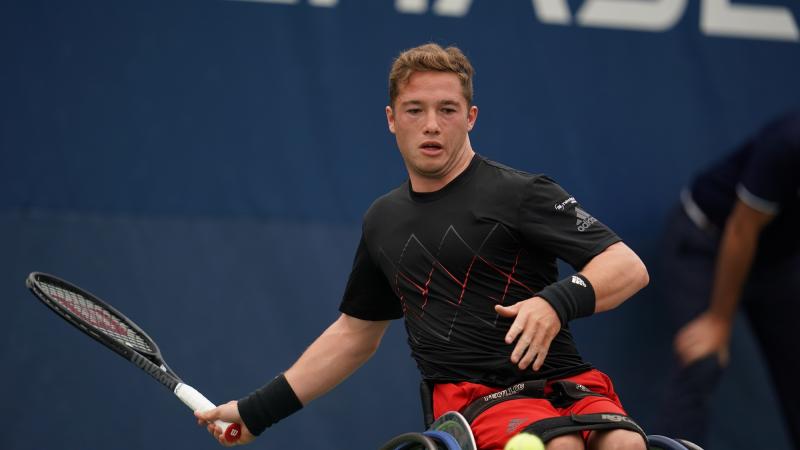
x: 212, y: 428
x: 537, y: 352
x: 683, y: 346
x: 704, y: 335
x: 689, y: 347
x: 218, y: 434
x: 519, y: 323
x: 683, y: 342
x: 692, y: 353
x: 696, y: 341
x: 222, y: 441
x: 540, y: 357
x: 517, y: 328
x: 227, y: 412
x: 520, y: 350
x: 531, y: 351
x: 534, y: 327
x: 204, y: 418
x: 507, y: 311
x: 207, y: 418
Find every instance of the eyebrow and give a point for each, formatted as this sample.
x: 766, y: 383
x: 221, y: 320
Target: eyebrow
x: 419, y: 102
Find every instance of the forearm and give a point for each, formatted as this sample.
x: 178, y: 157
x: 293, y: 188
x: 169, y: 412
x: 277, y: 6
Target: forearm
x: 336, y: 354
x: 710, y: 332
x: 734, y: 259
x: 616, y: 274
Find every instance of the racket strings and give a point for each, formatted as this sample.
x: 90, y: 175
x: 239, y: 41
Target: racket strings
x: 96, y: 315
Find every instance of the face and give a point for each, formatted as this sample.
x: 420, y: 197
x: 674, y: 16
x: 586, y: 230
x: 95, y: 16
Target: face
x: 430, y: 120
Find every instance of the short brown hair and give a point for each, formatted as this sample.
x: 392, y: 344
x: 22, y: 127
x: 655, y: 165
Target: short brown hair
x: 430, y: 58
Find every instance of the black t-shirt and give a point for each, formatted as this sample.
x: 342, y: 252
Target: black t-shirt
x: 444, y: 259
x: 764, y: 173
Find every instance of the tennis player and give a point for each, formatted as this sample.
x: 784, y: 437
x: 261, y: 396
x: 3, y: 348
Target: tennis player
x: 465, y: 251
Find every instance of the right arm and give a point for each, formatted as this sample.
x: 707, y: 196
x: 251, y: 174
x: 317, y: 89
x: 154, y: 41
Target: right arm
x: 337, y: 353
x: 710, y: 331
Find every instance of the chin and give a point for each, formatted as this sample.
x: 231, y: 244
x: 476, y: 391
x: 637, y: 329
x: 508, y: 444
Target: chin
x: 430, y: 172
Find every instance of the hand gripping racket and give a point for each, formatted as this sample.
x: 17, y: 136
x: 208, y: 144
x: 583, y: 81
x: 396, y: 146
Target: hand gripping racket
x: 111, y: 328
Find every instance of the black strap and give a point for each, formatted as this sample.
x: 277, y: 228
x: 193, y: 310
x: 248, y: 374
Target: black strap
x: 527, y: 389
x: 548, y: 429
x: 565, y: 393
x: 426, y: 395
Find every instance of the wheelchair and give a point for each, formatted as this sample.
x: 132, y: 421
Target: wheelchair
x: 458, y: 436
x: 439, y: 440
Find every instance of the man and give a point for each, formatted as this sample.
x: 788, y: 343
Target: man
x: 466, y: 252
x: 735, y: 240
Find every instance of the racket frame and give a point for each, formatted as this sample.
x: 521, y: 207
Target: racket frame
x: 140, y: 358
x: 151, y: 362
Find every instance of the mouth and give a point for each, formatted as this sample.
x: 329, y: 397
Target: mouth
x: 431, y: 147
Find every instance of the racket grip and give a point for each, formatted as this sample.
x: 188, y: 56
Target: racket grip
x: 198, y: 402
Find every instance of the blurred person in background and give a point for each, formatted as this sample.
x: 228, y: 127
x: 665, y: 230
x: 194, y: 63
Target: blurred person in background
x: 735, y: 240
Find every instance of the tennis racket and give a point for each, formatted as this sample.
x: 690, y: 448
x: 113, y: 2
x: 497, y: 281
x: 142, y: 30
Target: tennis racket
x: 111, y: 328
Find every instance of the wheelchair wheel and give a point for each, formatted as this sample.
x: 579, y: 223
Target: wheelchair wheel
x: 658, y: 442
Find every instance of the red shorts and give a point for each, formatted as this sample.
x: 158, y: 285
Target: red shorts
x: 498, y: 424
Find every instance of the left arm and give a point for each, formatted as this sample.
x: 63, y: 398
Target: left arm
x: 615, y: 274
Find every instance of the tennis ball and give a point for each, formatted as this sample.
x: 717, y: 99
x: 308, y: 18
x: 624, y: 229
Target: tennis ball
x: 524, y: 441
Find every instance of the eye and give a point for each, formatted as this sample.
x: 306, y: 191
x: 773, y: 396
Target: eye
x: 448, y: 110
x: 414, y: 110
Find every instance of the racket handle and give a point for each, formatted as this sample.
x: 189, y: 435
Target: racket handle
x: 198, y: 402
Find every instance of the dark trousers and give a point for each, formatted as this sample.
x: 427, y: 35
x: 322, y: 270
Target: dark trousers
x: 771, y: 302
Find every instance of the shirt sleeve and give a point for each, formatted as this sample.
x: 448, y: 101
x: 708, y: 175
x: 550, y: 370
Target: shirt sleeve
x: 368, y: 295
x: 769, y: 178
x: 552, y: 220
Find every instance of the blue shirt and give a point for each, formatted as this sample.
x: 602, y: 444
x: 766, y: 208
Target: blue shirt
x: 764, y: 173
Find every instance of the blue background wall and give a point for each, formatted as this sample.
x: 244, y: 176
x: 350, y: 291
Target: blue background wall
x: 203, y: 165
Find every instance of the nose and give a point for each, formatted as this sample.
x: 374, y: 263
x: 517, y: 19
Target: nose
x: 431, y: 124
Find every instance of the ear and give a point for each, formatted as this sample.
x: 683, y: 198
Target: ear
x: 472, y: 116
x: 390, y: 118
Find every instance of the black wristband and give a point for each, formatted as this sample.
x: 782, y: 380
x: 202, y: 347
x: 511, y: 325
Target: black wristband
x: 572, y: 297
x: 269, y: 404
